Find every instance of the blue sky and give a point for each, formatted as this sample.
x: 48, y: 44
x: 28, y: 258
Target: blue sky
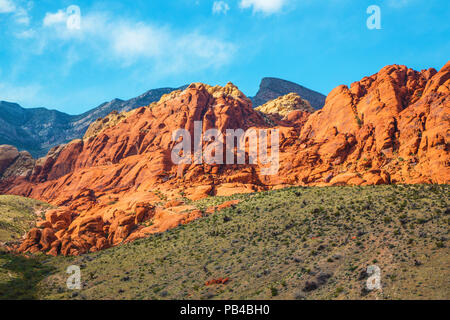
x: 123, y: 48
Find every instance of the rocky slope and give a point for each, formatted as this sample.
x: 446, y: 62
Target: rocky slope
x: 38, y: 130
x: 391, y: 127
x: 272, y: 88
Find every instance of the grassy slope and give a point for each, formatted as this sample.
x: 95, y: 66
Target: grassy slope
x: 18, y: 275
x: 270, y: 245
x: 18, y: 215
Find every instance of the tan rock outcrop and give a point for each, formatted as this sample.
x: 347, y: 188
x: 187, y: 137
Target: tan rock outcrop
x: 285, y: 105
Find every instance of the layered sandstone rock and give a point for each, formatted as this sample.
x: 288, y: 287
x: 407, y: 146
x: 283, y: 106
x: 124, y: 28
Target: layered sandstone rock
x: 107, y: 185
x: 120, y: 183
x: 395, y: 122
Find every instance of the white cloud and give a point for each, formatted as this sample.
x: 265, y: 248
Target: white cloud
x: 137, y: 40
x: 7, y: 6
x: 264, y: 6
x: 51, y: 19
x: 220, y: 7
x: 129, y: 42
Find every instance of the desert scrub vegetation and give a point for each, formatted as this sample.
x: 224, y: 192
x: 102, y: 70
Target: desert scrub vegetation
x: 295, y: 243
x: 18, y: 215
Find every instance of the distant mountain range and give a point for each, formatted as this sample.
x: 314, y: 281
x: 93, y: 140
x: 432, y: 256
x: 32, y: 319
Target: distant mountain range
x: 37, y: 130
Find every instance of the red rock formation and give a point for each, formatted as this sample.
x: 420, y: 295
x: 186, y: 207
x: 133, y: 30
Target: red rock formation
x: 392, y: 127
x: 217, y: 281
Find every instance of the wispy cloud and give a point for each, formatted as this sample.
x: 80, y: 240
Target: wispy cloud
x: 7, y: 6
x: 130, y: 42
x: 220, y: 7
x: 22, y: 17
x: 55, y: 18
x: 18, y: 10
x: 264, y: 6
x: 26, y: 34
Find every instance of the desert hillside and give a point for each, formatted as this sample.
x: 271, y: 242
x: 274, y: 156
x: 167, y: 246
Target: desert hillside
x: 296, y: 243
x: 389, y: 128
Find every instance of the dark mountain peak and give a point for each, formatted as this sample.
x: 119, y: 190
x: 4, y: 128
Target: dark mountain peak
x: 12, y: 112
x: 272, y: 88
x: 10, y: 105
x: 267, y: 82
